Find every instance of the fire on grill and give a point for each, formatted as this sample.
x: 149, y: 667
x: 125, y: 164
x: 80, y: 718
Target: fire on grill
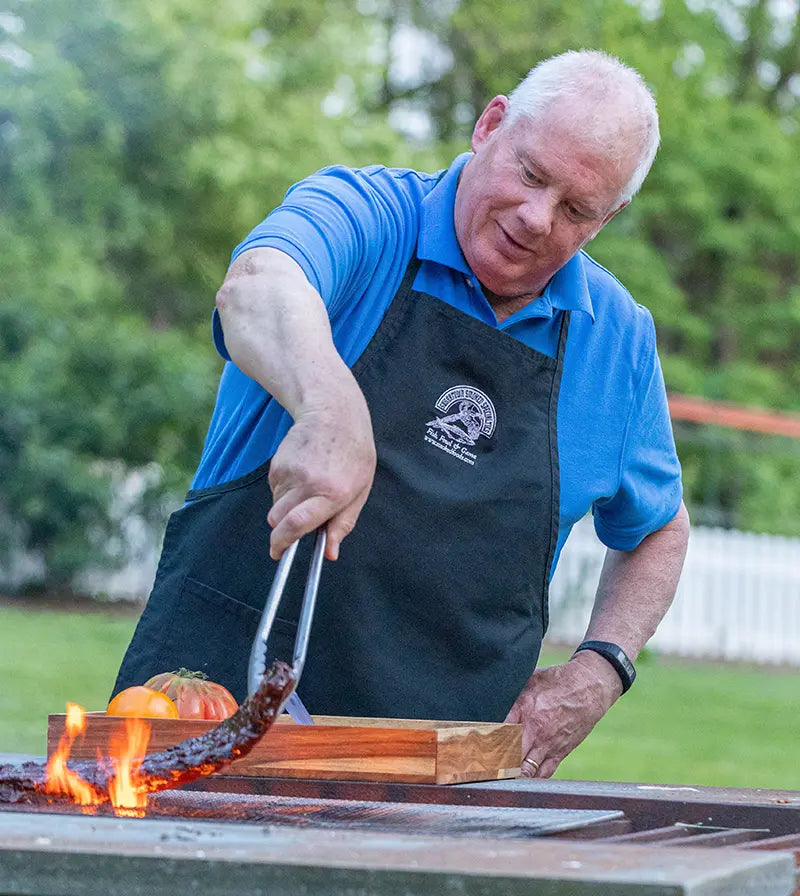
x: 127, y: 774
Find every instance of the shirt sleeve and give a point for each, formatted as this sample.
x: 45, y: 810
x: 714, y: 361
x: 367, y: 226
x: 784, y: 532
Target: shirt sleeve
x: 650, y: 490
x: 332, y: 224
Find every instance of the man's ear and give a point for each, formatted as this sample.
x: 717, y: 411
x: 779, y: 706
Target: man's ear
x: 605, y: 221
x: 489, y: 121
x: 616, y: 211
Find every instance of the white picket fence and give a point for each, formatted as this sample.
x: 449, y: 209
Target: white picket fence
x: 738, y: 597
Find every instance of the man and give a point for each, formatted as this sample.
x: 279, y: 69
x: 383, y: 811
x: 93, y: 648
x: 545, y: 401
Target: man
x: 451, y: 327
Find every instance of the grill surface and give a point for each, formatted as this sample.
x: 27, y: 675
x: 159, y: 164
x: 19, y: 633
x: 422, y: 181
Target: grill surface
x: 451, y: 821
x: 256, y: 835
x: 47, y: 855
x: 429, y: 820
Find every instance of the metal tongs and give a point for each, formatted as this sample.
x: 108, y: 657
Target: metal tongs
x: 258, y: 653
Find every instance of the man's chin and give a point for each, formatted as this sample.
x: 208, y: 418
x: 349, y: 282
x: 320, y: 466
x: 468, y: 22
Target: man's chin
x: 503, y: 278
x: 490, y: 280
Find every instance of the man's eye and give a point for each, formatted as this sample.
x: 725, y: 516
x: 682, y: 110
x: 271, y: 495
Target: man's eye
x: 529, y: 176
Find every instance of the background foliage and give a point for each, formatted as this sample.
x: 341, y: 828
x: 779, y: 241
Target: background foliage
x: 140, y: 142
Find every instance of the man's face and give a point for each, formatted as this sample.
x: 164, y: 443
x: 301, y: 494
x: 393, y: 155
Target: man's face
x: 531, y: 196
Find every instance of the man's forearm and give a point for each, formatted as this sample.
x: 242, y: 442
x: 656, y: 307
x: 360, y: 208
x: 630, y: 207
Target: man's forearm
x: 561, y: 704
x: 635, y: 591
x: 277, y: 332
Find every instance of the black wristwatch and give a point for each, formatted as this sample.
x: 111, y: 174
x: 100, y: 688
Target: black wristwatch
x: 616, y: 656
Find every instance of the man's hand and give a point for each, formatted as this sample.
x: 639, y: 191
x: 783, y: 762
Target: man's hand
x: 559, y: 706
x: 322, y: 471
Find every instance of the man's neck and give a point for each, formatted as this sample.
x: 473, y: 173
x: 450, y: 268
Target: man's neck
x: 505, y: 306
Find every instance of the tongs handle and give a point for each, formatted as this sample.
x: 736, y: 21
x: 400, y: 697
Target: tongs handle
x: 258, y: 653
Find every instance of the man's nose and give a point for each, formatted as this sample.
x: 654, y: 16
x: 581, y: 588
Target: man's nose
x: 537, y: 212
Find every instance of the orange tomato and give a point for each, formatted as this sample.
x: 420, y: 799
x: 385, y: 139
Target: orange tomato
x: 142, y: 702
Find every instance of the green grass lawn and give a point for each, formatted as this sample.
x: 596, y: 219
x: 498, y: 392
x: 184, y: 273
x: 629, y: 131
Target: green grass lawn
x: 696, y: 723
x: 681, y: 723
x: 49, y: 657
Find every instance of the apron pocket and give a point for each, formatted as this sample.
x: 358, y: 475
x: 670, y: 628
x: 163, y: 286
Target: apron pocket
x: 204, y: 630
x: 212, y: 632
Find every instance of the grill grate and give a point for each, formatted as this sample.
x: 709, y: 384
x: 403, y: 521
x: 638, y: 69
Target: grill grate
x: 429, y: 820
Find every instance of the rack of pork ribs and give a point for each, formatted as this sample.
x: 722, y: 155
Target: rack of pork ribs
x: 192, y: 758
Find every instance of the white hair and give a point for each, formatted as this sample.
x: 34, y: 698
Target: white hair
x: 602, y: 82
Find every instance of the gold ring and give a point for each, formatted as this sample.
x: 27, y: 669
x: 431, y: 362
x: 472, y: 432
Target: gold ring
x: 532, y: 762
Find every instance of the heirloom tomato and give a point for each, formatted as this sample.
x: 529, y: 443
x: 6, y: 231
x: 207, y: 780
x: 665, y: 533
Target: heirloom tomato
x: 142, y: 702
x: 195, y: 696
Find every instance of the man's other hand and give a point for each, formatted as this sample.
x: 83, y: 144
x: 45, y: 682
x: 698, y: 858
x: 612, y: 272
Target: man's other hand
x: 559, y: 706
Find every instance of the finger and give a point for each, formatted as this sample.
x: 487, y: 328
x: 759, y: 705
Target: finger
x: 548, y: 768
x: 341, y: 525
x: 530, y: 767
x: 530, y: 735
x: 290, y: 514
x: 283, y: 504
x: 307, y: 516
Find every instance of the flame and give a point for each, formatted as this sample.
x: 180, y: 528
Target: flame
x: 127, y: 747
x: 63, y: 780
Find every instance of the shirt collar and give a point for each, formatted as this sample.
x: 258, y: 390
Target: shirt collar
x: 437, y: 233
x: 568, y: 290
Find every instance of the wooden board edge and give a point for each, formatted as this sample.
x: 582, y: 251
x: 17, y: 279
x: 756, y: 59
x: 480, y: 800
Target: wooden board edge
x: 480, y: 755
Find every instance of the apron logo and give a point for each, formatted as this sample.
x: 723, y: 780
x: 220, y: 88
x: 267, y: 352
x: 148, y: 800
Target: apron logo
x: 466, y: 414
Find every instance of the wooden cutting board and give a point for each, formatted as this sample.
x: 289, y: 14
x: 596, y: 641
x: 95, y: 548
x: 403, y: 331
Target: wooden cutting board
x: 412, y: 751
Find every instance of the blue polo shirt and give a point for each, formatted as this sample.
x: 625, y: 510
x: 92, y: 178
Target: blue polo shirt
x: 352, y: 232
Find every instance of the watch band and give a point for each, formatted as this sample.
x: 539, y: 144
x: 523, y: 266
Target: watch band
x: 616, y: 656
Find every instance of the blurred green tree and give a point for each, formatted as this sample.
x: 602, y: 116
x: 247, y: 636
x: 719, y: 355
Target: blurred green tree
x: 140, y: 142
x: 138, y: 145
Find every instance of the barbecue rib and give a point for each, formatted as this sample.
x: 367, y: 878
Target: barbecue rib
x: 192, y: 758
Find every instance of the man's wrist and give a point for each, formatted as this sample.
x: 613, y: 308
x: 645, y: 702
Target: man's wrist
x: 616, y: 656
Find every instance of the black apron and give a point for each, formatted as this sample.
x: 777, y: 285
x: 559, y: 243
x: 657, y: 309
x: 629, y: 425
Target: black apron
x: 438, y: 604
